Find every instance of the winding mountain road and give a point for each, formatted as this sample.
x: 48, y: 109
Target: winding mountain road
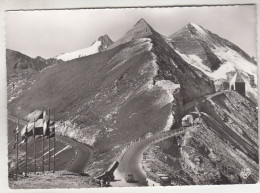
x: 131, y: 160
x: 83, y: 152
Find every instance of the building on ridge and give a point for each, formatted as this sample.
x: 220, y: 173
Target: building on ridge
x: 237, y: 83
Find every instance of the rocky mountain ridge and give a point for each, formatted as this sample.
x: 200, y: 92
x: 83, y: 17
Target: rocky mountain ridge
x: 16, y: 62
x: 138, y: 85
x: 100, y: 45
x: 23, y: 70
x: 222, y: 148
x: 218, y: 58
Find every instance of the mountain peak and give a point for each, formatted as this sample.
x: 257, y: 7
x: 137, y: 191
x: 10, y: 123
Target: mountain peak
x: 105, y: 42
x: 197, y: 28
x: 143, y: 25
x: 100, y: 45
x: 140, y: 30
x: 193, y: 25
x: 142, y: 21
x: 104, y: 37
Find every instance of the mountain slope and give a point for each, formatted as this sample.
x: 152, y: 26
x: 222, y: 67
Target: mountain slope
x: 110, y: 99
x: 110, y: 93
x: 219, y: 150
x: 216, y: 57
x: 22, y: 71
x: 98, y: 46
x: 17, y: 62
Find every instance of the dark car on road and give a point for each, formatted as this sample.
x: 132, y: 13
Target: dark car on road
x: 129, y: 178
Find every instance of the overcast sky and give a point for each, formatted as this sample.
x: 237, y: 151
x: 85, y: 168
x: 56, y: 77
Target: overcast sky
x: 52, y: 32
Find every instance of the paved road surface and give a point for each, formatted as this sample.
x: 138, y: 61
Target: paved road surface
x: 83, y: 152
x: 130, y: 161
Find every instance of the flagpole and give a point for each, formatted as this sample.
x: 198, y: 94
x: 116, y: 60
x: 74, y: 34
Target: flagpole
x: 34, y: 146
x: 16, y: 136
x: 49, y: 141
x: 54, y: 146
x: 42, y: 149
x: 26, y: 151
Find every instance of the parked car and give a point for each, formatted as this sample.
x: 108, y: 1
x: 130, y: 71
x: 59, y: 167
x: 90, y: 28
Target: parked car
x: 187, y: 121
x: 165, y: 181
x: 129, y: 178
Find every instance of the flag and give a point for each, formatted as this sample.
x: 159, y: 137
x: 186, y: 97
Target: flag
x: 51, y: 129
x: 37, y: 124
x: 38, y: 130
x: 25, y: 133
x: 16, y: 131
x: 27, y: 130
x: 46, y: 120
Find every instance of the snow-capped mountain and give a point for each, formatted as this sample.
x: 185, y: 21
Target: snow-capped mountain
x: 146, y: 84
x: 139, y: 30
x: 98, y: 46
x: 216, y: 57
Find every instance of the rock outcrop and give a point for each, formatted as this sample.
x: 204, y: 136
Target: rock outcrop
x: 221, y: 149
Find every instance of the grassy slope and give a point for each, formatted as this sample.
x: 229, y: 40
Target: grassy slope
x: 111, y: 97
x: 61, y: 85
x: 108, y: 92
x: 71, y: 89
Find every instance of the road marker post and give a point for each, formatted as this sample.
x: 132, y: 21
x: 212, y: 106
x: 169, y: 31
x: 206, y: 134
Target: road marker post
x: 17, y: 156
x: 54, y: 146
x: 34, y: 146
x: 26, y: 130
x: 49, y: 141
x: 42, y: 152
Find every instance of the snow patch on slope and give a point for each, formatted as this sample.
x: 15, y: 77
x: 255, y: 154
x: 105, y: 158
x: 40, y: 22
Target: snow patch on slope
x: 195, y: 61
x: 169, y: 123
x: 232, y: 62
x: 202, y: 32
x: 199, y: 29
x: 169, y: 87
x: 93, y: 49
x: 234, y: 59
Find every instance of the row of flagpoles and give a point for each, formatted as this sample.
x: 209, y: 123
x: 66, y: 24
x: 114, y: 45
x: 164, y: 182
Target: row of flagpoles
x: 43, y: 126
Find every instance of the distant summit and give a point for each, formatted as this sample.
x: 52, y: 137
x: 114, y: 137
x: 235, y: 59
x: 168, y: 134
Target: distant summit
x: 193, y: 39
x: 217, y: 57
x: 105, y: 42
x: 99, y: 45
x: 195, y: 36
x: 139, y: 30
x: 17, y: 62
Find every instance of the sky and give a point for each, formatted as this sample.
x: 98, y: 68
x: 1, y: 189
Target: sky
x: 48, y: 33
